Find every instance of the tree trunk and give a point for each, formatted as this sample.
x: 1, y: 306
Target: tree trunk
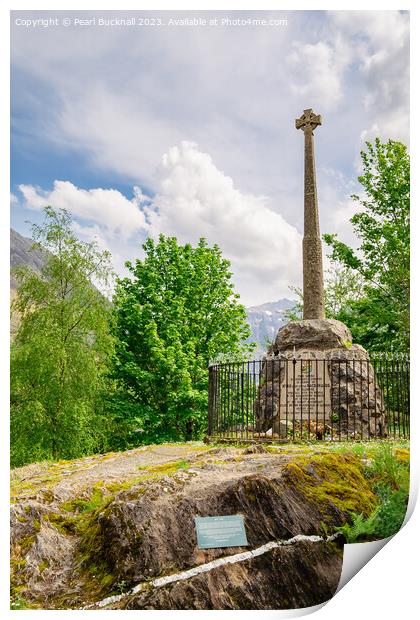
x: 188, y: 429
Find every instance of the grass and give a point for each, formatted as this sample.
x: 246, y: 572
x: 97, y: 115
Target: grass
x: 83, y: 504
x: 165, y: 468
x: 388, y: 473
x: 17, y: 602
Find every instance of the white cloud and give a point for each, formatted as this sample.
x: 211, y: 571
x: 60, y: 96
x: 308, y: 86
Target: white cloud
x: 318, y: 71
x: 336, y: 204
x: 117, y: 131
x: 195, y: 199
x: 89, y: 233
x: 380, y: 42
x: 119, y: 101
x: 108, y: 208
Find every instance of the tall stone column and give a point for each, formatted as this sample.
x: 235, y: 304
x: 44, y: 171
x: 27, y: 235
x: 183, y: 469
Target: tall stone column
x: 313, y: 278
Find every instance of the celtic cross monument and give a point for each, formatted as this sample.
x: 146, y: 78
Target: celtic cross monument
x: 313, y: 377
x: 313, y: 280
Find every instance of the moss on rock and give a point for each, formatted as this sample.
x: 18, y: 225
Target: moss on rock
x: 402, y: 455
x: 332, y: 481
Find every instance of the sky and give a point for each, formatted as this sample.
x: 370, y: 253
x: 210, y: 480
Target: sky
x: 189, y: 130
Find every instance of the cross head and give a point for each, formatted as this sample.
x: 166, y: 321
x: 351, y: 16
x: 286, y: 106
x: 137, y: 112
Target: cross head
x: 308, y: 120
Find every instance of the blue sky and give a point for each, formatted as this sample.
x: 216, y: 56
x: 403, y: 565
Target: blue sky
x: 201, y: 119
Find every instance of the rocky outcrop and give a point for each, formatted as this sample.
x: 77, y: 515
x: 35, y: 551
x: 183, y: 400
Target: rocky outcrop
x: 120, y: 537
x: 279, y: 579
x: 24, y: 253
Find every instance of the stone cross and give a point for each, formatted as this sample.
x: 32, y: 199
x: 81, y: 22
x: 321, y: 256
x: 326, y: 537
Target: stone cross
x: 313, y: 278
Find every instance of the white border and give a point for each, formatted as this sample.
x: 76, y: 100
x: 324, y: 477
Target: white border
x: 387, y: 587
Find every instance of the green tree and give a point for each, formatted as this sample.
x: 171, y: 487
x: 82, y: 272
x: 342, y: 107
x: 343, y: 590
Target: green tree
x: 380, y: 318
x: 60, y: 353
x: 176, y: 313
x: 342, y: 287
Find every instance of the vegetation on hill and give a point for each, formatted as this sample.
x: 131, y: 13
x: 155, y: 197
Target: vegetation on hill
x: 379, y: 319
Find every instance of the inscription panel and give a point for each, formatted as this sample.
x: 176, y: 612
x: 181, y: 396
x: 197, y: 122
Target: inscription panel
x: 305, y: 390
x: 223, y: 531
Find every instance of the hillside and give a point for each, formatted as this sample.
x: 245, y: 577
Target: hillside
x: 265, y: 321
x: 22, y: 253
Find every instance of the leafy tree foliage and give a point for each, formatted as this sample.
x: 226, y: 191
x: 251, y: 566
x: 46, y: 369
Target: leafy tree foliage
x: 380, y: 318
x: 342, y: 287
x: 60, y: 353
x: 176, y: 313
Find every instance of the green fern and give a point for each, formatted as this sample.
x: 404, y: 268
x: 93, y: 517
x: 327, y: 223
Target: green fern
x: 360, y: 527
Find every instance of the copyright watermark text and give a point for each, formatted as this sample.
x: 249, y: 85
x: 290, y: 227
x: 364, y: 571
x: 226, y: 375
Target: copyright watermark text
x: 130, y: 22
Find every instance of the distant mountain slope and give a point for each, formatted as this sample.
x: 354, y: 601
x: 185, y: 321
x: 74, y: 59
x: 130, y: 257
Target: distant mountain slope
x: 22, y: 254
x: 265, y: 321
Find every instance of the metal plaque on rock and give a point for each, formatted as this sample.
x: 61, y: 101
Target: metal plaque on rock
x: 223, y: 531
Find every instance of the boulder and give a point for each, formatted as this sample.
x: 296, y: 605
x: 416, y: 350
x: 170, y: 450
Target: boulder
x: 319, y: 334
x: 120, y: 534
x: 279, y: 579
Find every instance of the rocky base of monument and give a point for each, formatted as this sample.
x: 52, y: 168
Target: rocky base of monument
x: 315, y: 383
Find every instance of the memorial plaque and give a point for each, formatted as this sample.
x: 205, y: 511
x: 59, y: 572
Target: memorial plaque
x: 227, y: 531
x: 305, y: 390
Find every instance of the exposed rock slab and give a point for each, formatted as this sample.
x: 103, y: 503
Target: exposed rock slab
x: 71, y: 555
x: 317, y: 334
x: 279, y: 579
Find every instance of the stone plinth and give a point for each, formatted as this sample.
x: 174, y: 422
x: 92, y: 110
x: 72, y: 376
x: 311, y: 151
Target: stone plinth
x: 317, y: 334
x: 314, y: 380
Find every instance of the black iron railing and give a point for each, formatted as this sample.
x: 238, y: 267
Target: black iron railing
x: 286, y: 398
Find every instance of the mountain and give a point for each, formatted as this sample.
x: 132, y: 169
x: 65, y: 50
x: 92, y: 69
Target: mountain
x: 21, y: 253
x: 265, y: 321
